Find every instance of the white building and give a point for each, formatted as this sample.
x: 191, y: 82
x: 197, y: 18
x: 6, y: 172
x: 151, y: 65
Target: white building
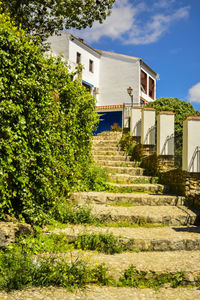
x: 106, y: 74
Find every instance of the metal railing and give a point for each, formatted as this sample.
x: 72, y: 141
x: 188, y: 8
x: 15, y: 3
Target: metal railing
x: 194, y: 165
x: 168, y: 147
x: 127, y: 113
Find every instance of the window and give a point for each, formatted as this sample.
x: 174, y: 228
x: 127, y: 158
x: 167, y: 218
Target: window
x: 143, y: 82
x: 91, y: 66
x: 78, y: 57
x: 151, y: 87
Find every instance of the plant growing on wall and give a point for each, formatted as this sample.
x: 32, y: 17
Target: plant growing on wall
x: 46, y: 124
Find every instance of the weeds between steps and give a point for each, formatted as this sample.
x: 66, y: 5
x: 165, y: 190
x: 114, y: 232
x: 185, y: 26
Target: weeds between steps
x: 20, y: 268
x: 83, y: 215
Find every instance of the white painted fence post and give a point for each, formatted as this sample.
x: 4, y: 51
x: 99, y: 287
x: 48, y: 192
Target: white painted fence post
x: 148, y: 126
x: 135, y: 123
x: 191, y: 144
x: 165, y: 133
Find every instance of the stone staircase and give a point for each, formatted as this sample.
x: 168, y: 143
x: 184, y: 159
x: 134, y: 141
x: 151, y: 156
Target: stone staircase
x: 165, y: 238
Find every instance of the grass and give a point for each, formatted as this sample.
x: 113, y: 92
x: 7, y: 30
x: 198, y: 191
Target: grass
x: 142, y: 279
x: 131, y: 224
x: 153, y: 180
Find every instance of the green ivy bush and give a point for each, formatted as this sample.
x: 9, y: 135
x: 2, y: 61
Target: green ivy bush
x: 46, y: 124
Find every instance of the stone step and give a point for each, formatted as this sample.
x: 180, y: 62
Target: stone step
x: 106, y: 148
x: 106, y: 138
x: 148, y: 187
x: 143, y: 239
x: 127, y: 199
x: 95, y: 292
x: 109, y: 153
x: 159, y: 262
x: 126, y: 170
x: 110, y: 163
x: 168, y: 215
x: 111, y: 157
x: 126, y: 178
x: 110, y: 143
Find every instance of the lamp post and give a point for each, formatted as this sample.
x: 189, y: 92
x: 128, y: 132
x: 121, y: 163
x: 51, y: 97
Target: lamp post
x: 130, y: 92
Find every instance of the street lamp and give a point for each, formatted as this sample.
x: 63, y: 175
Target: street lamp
x: 130, y: 92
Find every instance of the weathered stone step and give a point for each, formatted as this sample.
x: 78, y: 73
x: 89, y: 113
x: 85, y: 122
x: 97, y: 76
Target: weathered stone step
x: 126, y: 170
x: 109, y: 153
x: 124, y: 178
x: 127, y: 198
x: 160, y: 262
x: 115, y: 163
x: 110, y: 143
x: 91, y: 292
x: 143, y: 239
x: 111, y: 157
x: 106, y: 138
x: 106, y: 148
x: 168, y: 215
x: 148, y: 187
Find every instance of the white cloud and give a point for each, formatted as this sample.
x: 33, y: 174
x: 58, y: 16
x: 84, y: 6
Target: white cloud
x: 136, y: 24
x: 194, y: 93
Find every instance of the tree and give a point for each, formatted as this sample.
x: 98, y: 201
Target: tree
x: 182, y: 109
x: 45, y: 17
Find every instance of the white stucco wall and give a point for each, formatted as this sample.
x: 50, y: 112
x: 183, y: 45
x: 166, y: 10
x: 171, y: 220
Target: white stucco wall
x: 191, y: 140
x: 153, y: 76
x: 86, y: 55
x: 135, y: 122
x: 148, y: 126
x: 165, y: 133
x: 117, y: 73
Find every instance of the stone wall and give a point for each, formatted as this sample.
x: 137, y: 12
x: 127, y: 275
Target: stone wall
x: 157, y: 164
x: 183, y: 183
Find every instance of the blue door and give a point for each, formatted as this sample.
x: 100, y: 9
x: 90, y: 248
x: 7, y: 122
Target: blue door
x: 107, y: 119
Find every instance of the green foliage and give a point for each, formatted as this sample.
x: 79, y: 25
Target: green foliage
x: 96, y: 178
x: 106, y: 243
x: 46, y: 124
x: 41, y: 243
x: 19, y: 270
x: 128, y: 144
x: 115, y: 127
x: 54, y: 15
x: 182, y: 109
x: 142, y: 279
x: 73, y: 214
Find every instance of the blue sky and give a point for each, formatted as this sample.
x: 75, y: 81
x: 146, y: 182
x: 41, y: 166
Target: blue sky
x: 164, y: 33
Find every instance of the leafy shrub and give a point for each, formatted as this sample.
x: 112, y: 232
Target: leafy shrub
x: 46, y: 124
x: 128, y: 144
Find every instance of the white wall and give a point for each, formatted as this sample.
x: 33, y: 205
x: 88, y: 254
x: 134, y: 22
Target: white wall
x: 135, y: 122
x: 86, y: 55
x: 191, y: 140
x: 148, y: 126
x: 153, y: 76
x: 117, y: 73
x: 165, y: 133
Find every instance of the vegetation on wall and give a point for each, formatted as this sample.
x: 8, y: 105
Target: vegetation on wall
x: 46, y: 124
